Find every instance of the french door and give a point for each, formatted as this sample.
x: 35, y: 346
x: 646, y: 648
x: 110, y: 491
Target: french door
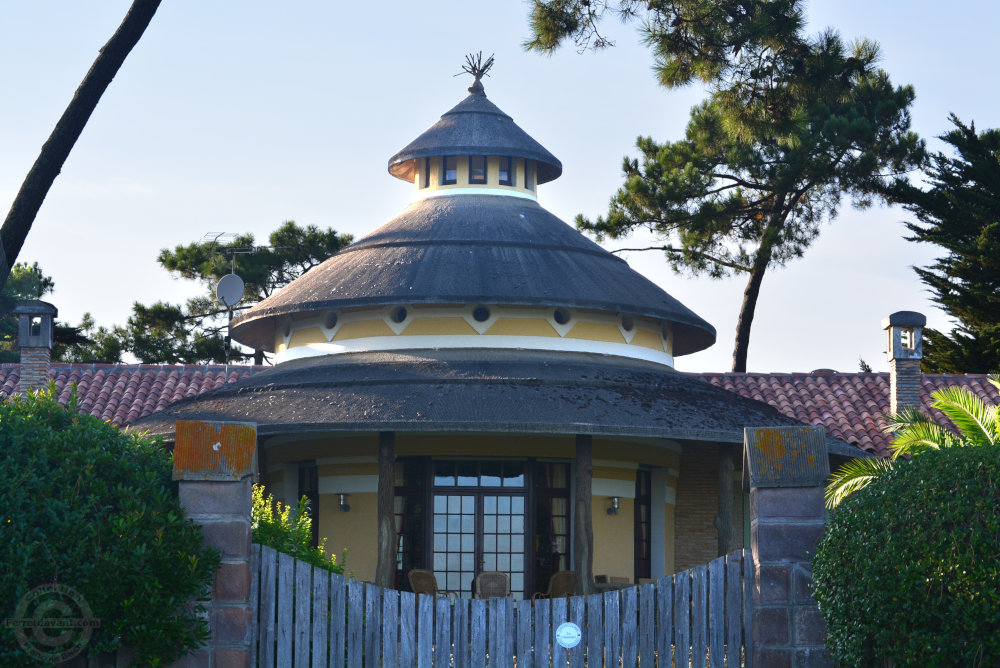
x: 475, y: 532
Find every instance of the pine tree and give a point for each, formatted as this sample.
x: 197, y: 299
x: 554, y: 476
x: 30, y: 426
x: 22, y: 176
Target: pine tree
x: 194, y: 332
x: 960, y: 212
x: 791, y: 125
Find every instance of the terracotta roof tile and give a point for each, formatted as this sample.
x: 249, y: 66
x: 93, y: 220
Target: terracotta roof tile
x: 849, y: 405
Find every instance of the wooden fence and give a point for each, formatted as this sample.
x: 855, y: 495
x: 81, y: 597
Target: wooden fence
x: 311, y: 618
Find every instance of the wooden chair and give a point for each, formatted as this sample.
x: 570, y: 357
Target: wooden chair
x: 491, y: 584
x: 562, y: 583
x: 424, y: 582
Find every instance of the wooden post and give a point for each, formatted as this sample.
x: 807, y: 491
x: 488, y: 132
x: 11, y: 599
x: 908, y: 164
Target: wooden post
x: 386, y: 569
x: 724, y: 519
x: 583, y: 534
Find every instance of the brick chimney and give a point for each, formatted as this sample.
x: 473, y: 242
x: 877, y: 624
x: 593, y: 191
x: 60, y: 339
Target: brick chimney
x: 905, y: 331
x: 34, y: 337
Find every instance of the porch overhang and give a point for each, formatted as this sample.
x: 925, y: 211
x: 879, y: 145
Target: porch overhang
x: 480, y: 391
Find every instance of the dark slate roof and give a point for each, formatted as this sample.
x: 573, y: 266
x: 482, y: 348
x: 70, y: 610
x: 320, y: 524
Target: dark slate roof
x: 473, y: 249
x: 848, y: 405
x: 475, y: 126
x: 480, y: 391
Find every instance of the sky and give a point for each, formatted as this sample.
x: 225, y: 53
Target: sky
x: 235, y: 117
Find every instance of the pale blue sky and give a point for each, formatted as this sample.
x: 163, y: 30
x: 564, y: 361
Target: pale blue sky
x: 237, y: 116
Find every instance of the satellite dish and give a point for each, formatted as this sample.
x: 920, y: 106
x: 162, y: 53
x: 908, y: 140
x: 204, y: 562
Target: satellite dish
x: 229, y: 291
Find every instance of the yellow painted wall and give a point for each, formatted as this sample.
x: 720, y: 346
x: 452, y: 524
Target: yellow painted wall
x: 438, y: 327
x: 596, y: 331
x: 360, y: 329
x: 614, y: 538
x: 522, y: 327
x: 303, y: 337
x: 356, y: 530
x: 647, y: 340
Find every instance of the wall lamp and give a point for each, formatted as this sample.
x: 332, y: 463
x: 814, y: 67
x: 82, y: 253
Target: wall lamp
x: 613, y: 508
x: 343, y: 503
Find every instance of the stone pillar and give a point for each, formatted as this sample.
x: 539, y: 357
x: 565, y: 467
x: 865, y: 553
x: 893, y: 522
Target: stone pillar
x: 787, y: 467
x: 34, y: 338
x: 904, y: 330
x: 215, y: 464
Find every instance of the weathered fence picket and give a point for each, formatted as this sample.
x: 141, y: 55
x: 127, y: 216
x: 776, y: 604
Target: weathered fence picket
x: 303, y: 628
x: 320, y: 614
x: 699, y: 615
x: 309, y: 617
x: 717, y: 612
x: 286, y: 603
x: 390, y: 628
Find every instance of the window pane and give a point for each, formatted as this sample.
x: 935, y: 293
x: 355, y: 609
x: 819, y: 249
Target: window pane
x: 517, y: 505
x: 444, y: 473
x: 468, y: 504
x: 513, y: 474
x: 468, y: 475
x: 477, y: 169
x: 506, y: 176
x: 490, y: 473
x: 450, y: 173
x: 454, y: 504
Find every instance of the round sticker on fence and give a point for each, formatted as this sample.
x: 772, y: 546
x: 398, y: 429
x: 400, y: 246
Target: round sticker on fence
x: 568, y: 635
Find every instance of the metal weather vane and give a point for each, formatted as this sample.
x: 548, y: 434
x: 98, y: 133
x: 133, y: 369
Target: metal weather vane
x: 478, y: 68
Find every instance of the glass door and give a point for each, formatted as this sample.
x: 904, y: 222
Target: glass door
x: 503, y: 538
x: 479, y: 523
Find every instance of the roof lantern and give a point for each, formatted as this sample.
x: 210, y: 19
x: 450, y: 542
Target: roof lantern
x: 475, y: 127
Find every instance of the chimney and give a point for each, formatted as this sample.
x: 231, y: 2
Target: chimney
x: 905, y: 330
x: 34, y: 337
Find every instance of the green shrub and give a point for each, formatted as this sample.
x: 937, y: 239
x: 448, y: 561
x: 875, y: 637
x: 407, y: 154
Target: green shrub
x: 85, y: 505
x: 908, y: 570
x: 276, y: 526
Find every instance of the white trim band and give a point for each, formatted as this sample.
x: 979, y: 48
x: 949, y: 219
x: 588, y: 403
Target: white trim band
x: 445, y: 192
x: 480, y: 341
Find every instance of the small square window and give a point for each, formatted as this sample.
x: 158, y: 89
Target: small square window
x: 477, y: 169
x: 449, y: 175
x: 425, y: 178
x: 505, y: 172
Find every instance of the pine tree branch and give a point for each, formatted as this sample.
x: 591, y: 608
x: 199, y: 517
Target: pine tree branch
x: 682, y: 251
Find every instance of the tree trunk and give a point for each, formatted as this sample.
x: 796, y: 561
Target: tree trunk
x: 385, y: 569
x: 724, y: 520
x: 583, y: 534
x: 760, y: 263
x: 258, y: 356
x: 68, y: 129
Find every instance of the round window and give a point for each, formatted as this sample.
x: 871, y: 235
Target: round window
x: 331, y: 320
x: 481, y: 314
x: 562, y: 316
x: 399, y: 314
x: 628, y: 322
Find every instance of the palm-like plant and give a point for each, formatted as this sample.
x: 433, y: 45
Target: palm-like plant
x: 977, y: 424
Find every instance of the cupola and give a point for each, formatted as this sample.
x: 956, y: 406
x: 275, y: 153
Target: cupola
x: 475, y: 148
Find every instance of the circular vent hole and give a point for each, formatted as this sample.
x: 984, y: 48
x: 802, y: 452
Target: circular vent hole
x: 331, y: 320
x: 481, y: 314
x: 562, y: 316
x: 628, y: 322
x: 399, y: 314
x: 287, y: 328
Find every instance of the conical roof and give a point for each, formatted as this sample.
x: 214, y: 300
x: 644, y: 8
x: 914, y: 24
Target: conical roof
x: 475, y: 126
x: 474, y: 249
